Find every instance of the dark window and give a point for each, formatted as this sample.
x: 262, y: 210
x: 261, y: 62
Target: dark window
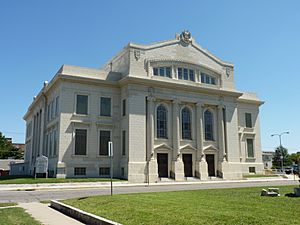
x: 208, y: 125
x: 124, y: 107
x: 168, y: 72
x: 104, y: 171
x: 105, y: 106
x: 251, y: 169
x: 122, y: 172
x: 82, y: 104
x: 186, y: 123
x: 185, y: 74
x: 161, y: 71
x: 123, y: 142
x: 161, y: 114
x: 192, y: 75
x: 80, y: 141
x: 79, y: 171
x: 155, y: 71
x: 104, y: 139
x: 248, y: 120
x: 250, y: 148
x: 208, y: 79
x: 179, y: 73
x: 56, y: 105
x: 55, y: 142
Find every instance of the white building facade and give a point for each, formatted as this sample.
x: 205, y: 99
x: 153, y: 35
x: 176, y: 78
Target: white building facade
x: 170, y: 108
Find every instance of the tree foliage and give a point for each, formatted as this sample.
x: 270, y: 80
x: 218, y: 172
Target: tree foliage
x: 281, y: 151
x: 7, y: 150
x: 295, y: 157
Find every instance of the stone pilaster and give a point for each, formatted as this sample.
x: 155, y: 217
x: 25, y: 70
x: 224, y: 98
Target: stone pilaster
x: 152, y: 163
x: 201, y: 165
x: 177, y: 164
x: 221, y: 131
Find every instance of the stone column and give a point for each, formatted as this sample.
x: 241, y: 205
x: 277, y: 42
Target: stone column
x: 177, y: 164
x: 152, y: 162
x: 41, y: 150
x: 201, y: 165
x: 221, y: 131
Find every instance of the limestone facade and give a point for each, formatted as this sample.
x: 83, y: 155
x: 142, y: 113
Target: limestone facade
x: 174, y: 113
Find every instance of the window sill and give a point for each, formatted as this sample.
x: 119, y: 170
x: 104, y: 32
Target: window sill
x: 103, y: 156
x: 79, y: 156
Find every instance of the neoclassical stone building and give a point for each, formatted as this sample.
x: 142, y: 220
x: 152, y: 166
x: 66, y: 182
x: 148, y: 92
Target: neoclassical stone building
x: 170, y: 108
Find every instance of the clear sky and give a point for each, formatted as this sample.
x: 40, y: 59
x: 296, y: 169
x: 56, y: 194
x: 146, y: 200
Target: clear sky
x: 261, y: 38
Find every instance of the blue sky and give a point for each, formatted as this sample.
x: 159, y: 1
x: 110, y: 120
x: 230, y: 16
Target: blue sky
x: 261, y: 38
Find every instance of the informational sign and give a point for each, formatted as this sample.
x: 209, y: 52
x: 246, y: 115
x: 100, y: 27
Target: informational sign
x: 41, y: 165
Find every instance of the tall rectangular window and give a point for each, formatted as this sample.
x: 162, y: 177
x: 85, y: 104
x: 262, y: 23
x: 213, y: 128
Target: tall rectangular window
x: 105, y: 106
x: 248, y: 120
x: 48, y: 113
x: 179, y: 73
x: 250, y: 148
x: 124, y: 107
x: 55, y: 142
x: 123, y: 142
x: 56, y: 105
x: 104, y: 139
x: 79, y: 171
x: 82, y: 104
x: 80, y: 141
x: 52, y: 109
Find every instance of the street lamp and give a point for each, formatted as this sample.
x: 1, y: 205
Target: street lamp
x: 281, y: 157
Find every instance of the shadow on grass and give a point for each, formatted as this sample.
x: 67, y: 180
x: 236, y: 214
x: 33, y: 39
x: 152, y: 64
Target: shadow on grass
x: 12, y: 177
x: 291, y: 195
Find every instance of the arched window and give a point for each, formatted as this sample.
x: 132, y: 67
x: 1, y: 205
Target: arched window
x: 208, y: 125
x: 186, y: 123
x: 161, y: 113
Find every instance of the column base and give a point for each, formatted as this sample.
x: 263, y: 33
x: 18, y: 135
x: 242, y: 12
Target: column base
x: 178, y: 170
x: 201, y: 171
x: 61, y: 170
x: 153, y: 171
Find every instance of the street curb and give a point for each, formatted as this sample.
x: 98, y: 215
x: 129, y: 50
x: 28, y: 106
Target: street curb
x: 78, y: 214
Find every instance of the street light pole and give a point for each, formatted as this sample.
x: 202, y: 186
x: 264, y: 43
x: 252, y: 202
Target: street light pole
x: 280, y: 145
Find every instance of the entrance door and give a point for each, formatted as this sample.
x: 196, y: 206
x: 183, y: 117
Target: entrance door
x: 210, y: 159
x: 162, y: 161
x: 188, y: 165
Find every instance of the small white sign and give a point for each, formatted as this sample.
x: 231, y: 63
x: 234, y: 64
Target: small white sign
x: 110, y: 149
x: 41, y: 164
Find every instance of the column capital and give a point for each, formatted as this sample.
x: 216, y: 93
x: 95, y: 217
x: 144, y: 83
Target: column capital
x: 176, y: 101
x: 221, y: 106
x: 200, y: 104
x: 151, y: 98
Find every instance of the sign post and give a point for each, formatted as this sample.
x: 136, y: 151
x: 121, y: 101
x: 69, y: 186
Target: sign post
x: 111, y: 154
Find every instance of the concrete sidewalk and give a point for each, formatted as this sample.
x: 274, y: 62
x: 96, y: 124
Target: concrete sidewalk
x: 79, y: 185
x: 46, y: 215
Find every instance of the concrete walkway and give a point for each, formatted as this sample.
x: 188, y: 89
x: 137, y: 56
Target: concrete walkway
x: 46, y: 215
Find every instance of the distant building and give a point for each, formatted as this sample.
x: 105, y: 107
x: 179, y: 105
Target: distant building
x: 170, y: 108
x: 267, y: 157
x: 5, y: 166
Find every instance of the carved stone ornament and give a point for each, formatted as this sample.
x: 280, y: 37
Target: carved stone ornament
x: 137, y: 54
x: 228, y: 71
x: 186, y: 37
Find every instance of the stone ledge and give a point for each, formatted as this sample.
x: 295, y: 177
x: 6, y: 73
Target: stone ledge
x: 85, y: 217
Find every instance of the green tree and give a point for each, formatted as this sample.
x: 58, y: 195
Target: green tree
x: 295, y: 157
x: 7, y: 150
x: 281, y: 151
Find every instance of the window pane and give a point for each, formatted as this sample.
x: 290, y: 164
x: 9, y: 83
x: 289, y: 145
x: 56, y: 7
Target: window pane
x: 124, y: 107
x: 161, y: 71
x: 155, y: 71
x: 56, y: 105
x: 248, y: 120
x: 82, y: 104
x: 185, y: 74
x: 202, y: 78
x: 213, y: 80
x: 250, y: 149
x: 208, y: 125
x: 168, y: 72
x: 123, y: 142
x: 186, y: 124
x: 161, y: 122
x: 80, y: 171
x: 192, y: 75
x: 104, y: 171
x: 179, y: 73
x: 104, y: 139
x: 105, y: 107
x: 80, y: 141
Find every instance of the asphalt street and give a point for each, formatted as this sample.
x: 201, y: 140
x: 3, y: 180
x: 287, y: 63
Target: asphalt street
x: 38, y: 195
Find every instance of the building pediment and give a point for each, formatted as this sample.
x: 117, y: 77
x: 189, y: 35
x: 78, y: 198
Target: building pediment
x: 163, y: 146
x: 210, y: 148
x: 188, y: 146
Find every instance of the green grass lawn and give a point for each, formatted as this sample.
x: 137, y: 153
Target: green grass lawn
x: 7, y: 204
x: 31, y: 180
x: 16, y: 216
x: 218, y: 206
